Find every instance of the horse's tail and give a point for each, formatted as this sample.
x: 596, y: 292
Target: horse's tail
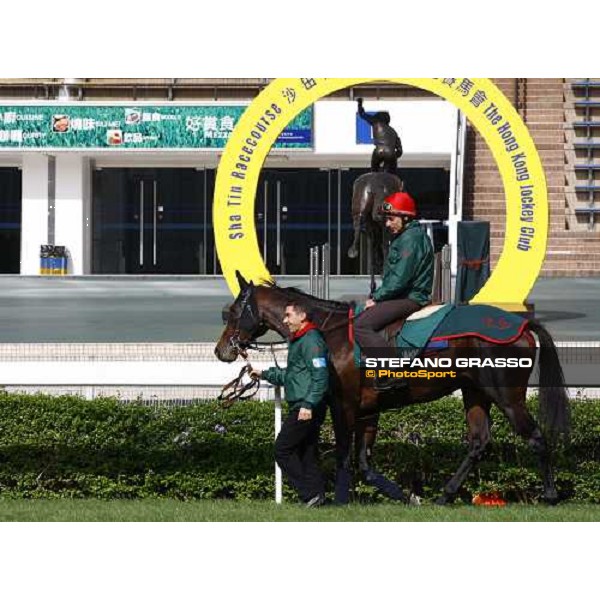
x: 554, y: 410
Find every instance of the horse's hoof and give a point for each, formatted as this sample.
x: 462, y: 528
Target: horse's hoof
x: 352, y: 253
x: 414, y: 500
x: 550, y: 499
x: 445, y: 500
x: 341, y: 501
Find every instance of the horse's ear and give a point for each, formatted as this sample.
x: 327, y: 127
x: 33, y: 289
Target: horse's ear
x: 243, y: 283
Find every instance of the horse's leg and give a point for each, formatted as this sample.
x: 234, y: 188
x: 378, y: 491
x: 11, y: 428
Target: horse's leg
x: 377, y: 238
x: 371, y: 261
x: 357, y: 222
x: 362, y: 203
x: 385, y: 245
x: 343, y: 453
x: 512, y: 403
x: 477, y: 407
x: 366, y: 433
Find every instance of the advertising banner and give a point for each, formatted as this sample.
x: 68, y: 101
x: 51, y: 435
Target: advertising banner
x: 130, y: 127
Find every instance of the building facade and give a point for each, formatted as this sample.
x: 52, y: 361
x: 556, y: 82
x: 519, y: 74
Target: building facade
x: 138, y: 199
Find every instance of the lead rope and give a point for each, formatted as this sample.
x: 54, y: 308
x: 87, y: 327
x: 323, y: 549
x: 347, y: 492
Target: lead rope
x: 274, y: 356
x: 237, y: 390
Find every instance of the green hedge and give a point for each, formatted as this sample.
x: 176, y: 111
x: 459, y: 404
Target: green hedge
x: 70, y: 447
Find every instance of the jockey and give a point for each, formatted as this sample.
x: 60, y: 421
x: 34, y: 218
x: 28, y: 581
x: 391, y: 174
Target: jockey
x: 407, y: 277
x: 388, y: 146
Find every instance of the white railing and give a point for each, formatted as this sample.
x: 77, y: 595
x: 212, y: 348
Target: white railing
x: 320, y: 271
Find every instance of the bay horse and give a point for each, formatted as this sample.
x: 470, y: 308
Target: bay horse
x: 356, y: 408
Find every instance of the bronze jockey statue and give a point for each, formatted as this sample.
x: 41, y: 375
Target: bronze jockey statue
x: 388, y: 147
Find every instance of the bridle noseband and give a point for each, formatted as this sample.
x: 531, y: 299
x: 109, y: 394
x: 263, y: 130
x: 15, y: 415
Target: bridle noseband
x: 248, y: 322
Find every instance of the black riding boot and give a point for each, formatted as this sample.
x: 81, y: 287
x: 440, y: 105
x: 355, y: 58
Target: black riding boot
x: 368, y: 329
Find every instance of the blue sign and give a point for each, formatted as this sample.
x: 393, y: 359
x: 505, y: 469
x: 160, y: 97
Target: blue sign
x: 364, y: 132
x: 296, y: 136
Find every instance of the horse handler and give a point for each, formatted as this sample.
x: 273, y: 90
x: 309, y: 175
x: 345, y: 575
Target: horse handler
x: 306, y: 383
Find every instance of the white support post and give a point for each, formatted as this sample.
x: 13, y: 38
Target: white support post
x: 73, y: 210
x: 34, y: 229
x: 278, y: 478
x: 457, y: 171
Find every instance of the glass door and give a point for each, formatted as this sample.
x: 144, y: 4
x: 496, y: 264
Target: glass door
x: 143, y: 237
x: 10, y: 220
x: 151, y: 221
x: 293, y: 214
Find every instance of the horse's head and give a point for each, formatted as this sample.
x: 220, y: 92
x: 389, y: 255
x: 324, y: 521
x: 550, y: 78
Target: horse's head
x: 243, y: 323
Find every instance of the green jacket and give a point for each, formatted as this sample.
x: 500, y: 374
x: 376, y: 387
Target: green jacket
x: 306, y: 378
x: 408, y: 271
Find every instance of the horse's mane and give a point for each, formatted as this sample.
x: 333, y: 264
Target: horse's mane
x: 293, y: 292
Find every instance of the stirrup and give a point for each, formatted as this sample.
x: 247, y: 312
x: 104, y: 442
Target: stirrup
x: 386, y: 384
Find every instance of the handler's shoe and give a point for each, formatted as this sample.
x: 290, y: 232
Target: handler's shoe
x: 315, y: 502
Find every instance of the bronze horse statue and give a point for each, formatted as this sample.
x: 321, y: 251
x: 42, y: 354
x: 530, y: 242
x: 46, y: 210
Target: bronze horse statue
x: 355, y: 409
x: 368, y: 194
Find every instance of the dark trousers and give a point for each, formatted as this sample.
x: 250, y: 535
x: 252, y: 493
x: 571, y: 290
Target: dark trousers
x: 296, y: 453
x: 370, y: 322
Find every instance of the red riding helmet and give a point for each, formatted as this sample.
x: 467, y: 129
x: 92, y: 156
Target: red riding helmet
x: 399, y: 204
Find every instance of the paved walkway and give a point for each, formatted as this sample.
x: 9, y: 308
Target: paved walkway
x: 188, y: 309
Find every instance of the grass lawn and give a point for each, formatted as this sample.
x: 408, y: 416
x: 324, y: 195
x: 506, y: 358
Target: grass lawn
x: 226, y: 511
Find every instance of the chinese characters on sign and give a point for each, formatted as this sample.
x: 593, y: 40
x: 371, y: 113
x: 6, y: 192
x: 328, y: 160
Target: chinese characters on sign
x: 89, y: 126
x: 508, y: 139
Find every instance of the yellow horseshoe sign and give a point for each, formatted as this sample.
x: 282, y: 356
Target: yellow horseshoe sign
x: 484, y: 105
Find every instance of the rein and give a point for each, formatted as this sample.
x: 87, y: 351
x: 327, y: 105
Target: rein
x: 237, y: 390
x: 264, y: 346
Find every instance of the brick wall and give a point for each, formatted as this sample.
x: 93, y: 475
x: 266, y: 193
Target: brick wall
x: 542, y: 103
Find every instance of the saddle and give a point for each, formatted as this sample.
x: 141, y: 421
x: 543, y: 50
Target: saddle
x: 413, y: 334
x: 391, y: 332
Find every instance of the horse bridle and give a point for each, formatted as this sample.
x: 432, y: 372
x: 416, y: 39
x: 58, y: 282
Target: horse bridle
x: 236, y: 390
x: 248, y: 321
x: 247, y: 305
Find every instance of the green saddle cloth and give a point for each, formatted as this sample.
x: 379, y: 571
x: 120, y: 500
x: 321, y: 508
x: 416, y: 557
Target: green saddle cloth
x: 415, y: 335
x: 485, y: 322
